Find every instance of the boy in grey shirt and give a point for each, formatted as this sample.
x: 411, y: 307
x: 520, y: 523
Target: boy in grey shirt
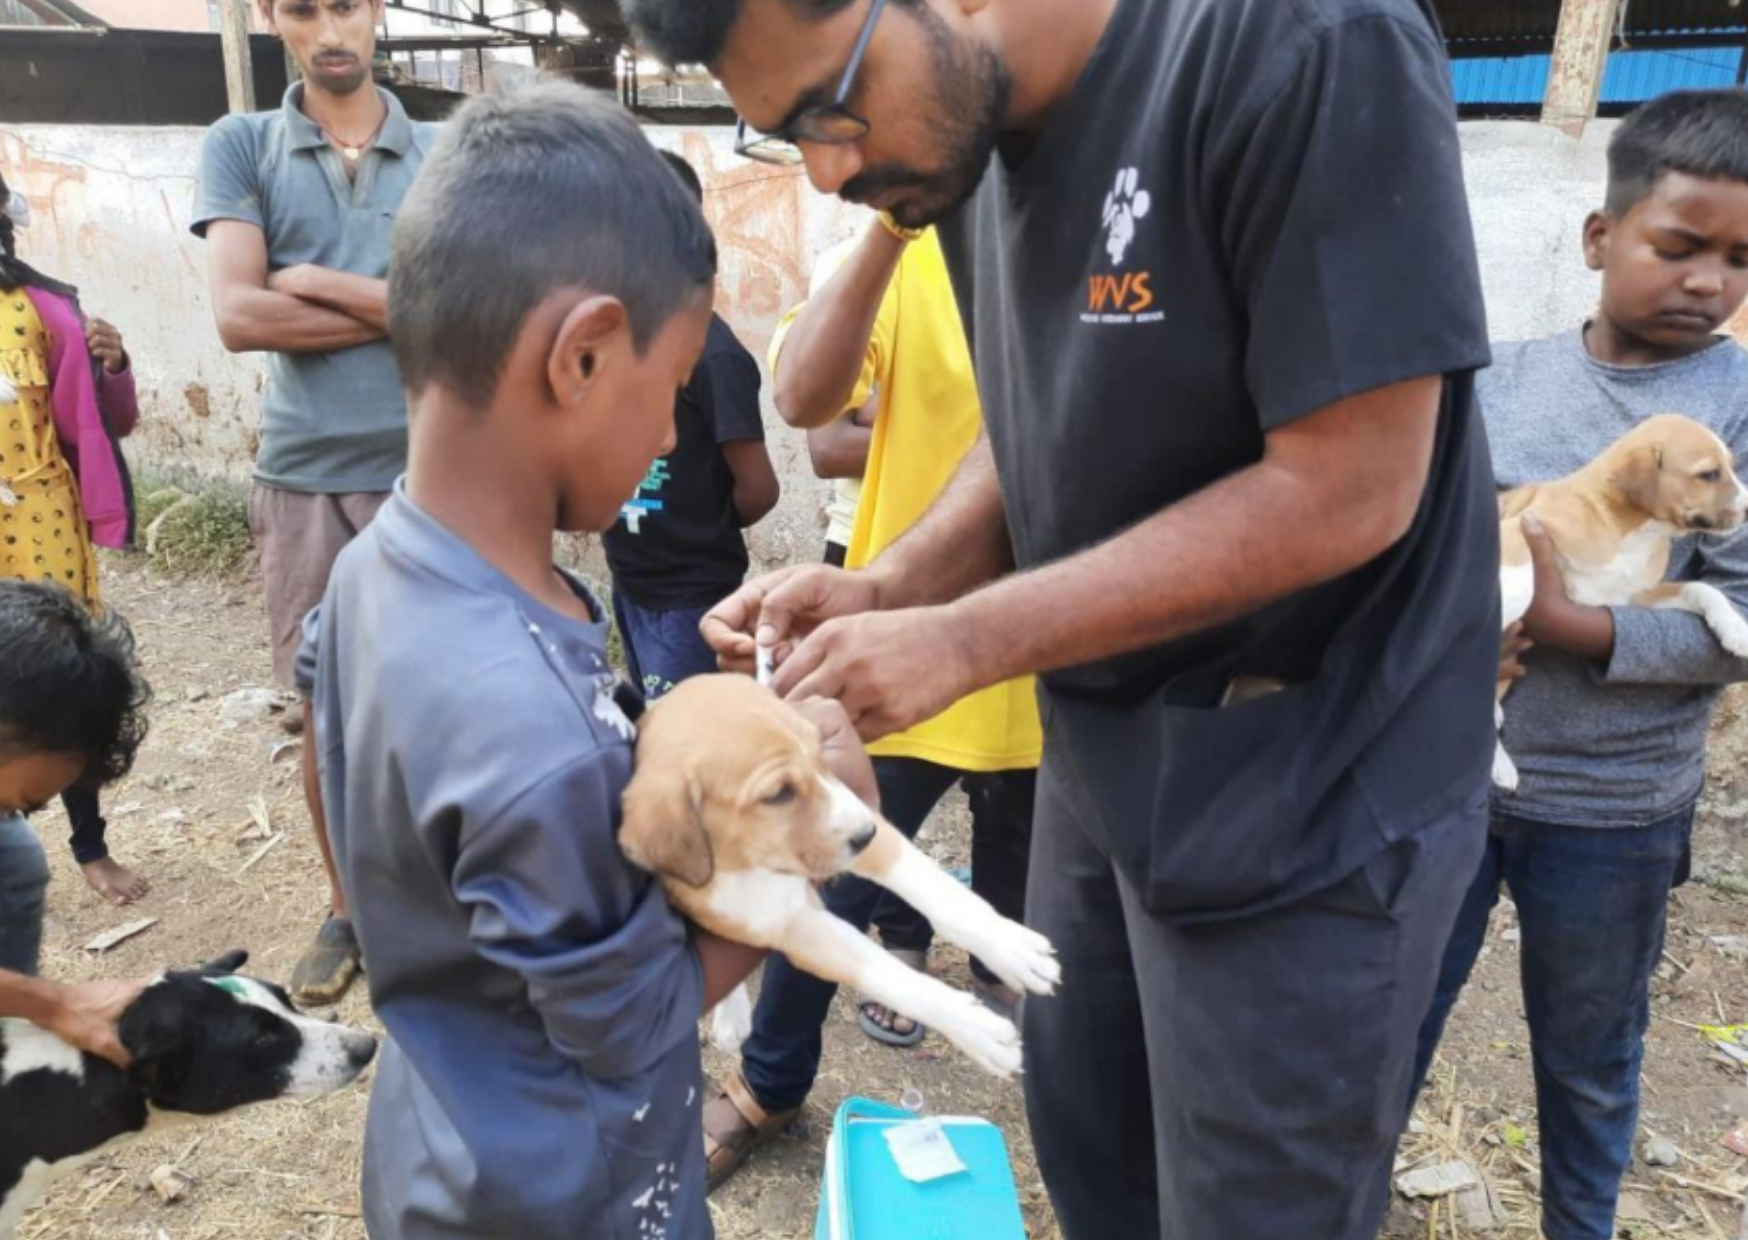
x: 1608, y: 721
x: 550, y: 287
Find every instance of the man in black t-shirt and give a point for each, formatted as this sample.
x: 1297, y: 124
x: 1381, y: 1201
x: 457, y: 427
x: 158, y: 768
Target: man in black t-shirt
x: 678, y: 546
x: 1224, y: 307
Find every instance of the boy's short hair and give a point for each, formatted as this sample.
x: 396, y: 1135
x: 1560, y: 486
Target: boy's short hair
x: 1701, y: 133
x: 687, y: 173
x: 68, y: 682
x: 543, y: 188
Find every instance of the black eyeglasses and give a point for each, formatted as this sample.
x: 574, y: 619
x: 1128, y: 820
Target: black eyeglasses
x: 830, y: 124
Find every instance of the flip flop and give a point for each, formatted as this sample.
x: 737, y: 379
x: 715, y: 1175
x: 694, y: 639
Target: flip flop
x: 880, y: 1033
x: 723, y: 1156
x: 329, y: 966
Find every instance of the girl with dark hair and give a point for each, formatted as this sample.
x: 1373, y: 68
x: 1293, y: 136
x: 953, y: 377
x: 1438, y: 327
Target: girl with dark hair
x: 66, y: 397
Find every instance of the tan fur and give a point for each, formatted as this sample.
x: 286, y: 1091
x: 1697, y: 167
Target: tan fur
x: 1655, y: 472
x: 734, y: 810
x: 1613, y: 522
x: 709, y: 756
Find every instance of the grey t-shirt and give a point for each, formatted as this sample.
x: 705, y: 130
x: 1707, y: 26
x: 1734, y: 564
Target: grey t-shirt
x: 331, y: 422
x: 1622, y: 745
x: 542, y: 1079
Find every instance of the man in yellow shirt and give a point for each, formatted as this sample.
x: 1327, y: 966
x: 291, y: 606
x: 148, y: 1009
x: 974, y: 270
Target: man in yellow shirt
x: 882, y: 323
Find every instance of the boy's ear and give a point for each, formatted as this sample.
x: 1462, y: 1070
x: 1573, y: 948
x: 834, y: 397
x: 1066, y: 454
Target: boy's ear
x: 663, y: 827
x: 591, y: 332
x: 1598, y: 231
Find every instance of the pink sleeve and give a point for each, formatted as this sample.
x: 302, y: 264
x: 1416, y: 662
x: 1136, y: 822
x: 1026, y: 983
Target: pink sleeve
x: 117, y: 400
x: 66, y: 349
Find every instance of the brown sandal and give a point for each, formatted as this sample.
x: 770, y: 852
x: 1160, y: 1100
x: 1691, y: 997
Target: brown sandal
x: 724, y: 1154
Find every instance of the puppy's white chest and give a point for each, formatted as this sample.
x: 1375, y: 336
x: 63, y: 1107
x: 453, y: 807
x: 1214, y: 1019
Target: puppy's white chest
x: 1638, y: 564
x: 33, y: 1049
x: 758, y: 902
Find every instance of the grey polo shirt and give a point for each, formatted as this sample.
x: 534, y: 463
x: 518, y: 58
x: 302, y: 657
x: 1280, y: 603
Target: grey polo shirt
x: 330, y: 422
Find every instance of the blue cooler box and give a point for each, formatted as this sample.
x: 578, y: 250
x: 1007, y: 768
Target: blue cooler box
x: 864, y: 1196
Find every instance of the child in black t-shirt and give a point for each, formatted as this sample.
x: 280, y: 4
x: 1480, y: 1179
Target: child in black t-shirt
x: 677, y: 549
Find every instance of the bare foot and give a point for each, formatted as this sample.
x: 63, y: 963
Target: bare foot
x: 114, y: 881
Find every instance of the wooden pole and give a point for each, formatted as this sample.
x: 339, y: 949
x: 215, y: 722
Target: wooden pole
x: 239, y: 66
x: 1581, y: 46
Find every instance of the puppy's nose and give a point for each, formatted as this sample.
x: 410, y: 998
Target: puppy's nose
x: 361, y: 1050
x: 859, y: 843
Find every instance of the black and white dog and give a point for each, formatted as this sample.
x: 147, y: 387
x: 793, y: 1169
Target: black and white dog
x: 202, y: 1042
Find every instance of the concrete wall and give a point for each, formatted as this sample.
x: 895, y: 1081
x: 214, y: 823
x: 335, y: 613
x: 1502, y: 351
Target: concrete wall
x: 112, y: 208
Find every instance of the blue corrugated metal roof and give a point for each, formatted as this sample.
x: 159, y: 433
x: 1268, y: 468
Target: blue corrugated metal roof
x: 1631, y: 77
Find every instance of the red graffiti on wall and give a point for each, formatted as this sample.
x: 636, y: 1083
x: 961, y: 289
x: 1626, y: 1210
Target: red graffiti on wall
x: 62, y: 234
x: 759, y: 219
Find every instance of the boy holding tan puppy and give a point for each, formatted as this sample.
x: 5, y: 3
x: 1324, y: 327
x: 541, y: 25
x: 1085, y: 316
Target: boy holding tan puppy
x: 1608, y: 718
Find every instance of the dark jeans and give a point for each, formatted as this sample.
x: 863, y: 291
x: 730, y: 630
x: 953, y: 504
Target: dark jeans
x: 84, y: 812
x: 781, y: 1059
x: 662, y: 648
x: 1592, y: 904
x: 24, y: 883
x: 1229, y: 1080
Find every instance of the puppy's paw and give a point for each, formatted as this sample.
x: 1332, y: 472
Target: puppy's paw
x: 990, y: 1041
x: 1021, y: 957
x: 1720, y: 615
x: 1504, y: 770
x: 1731, y: 630
x: 732, y: 1022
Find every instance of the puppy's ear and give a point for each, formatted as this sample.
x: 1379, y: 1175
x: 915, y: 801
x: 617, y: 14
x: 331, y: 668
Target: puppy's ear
x: 224, y: 965
x: 1638, y: 477
x: 663, y: 828
x: 157, y: 1035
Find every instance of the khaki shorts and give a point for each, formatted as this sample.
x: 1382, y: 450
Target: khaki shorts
x: 300, y: 535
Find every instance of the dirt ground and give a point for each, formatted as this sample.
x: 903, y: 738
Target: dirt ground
x: 214, y: 816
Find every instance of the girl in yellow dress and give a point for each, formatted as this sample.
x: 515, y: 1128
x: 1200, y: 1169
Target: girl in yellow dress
x: 66, y: 395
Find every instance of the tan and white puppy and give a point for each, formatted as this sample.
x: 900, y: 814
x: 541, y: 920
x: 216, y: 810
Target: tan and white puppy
x: 733, y: 809
x: 1612, y: 524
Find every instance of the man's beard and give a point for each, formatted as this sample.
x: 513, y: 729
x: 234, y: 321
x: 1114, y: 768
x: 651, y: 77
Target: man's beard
x: 342, y: 86
x: 971, y: 110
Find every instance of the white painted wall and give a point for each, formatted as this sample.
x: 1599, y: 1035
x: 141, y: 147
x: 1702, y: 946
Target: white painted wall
x: 112, y: 208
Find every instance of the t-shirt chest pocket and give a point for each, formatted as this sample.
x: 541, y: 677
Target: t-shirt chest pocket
x: 368, y: 228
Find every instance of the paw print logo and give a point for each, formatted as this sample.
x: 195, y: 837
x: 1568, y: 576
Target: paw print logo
x: 1124, y: 205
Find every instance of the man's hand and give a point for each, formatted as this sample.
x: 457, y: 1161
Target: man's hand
x: 86, y: 1015
x: 889, y: 670
x: 781, y: 608
x: 1512, y: 647
x: 844, y: 754
x: 105, y: 345
x: 1553, y: 618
